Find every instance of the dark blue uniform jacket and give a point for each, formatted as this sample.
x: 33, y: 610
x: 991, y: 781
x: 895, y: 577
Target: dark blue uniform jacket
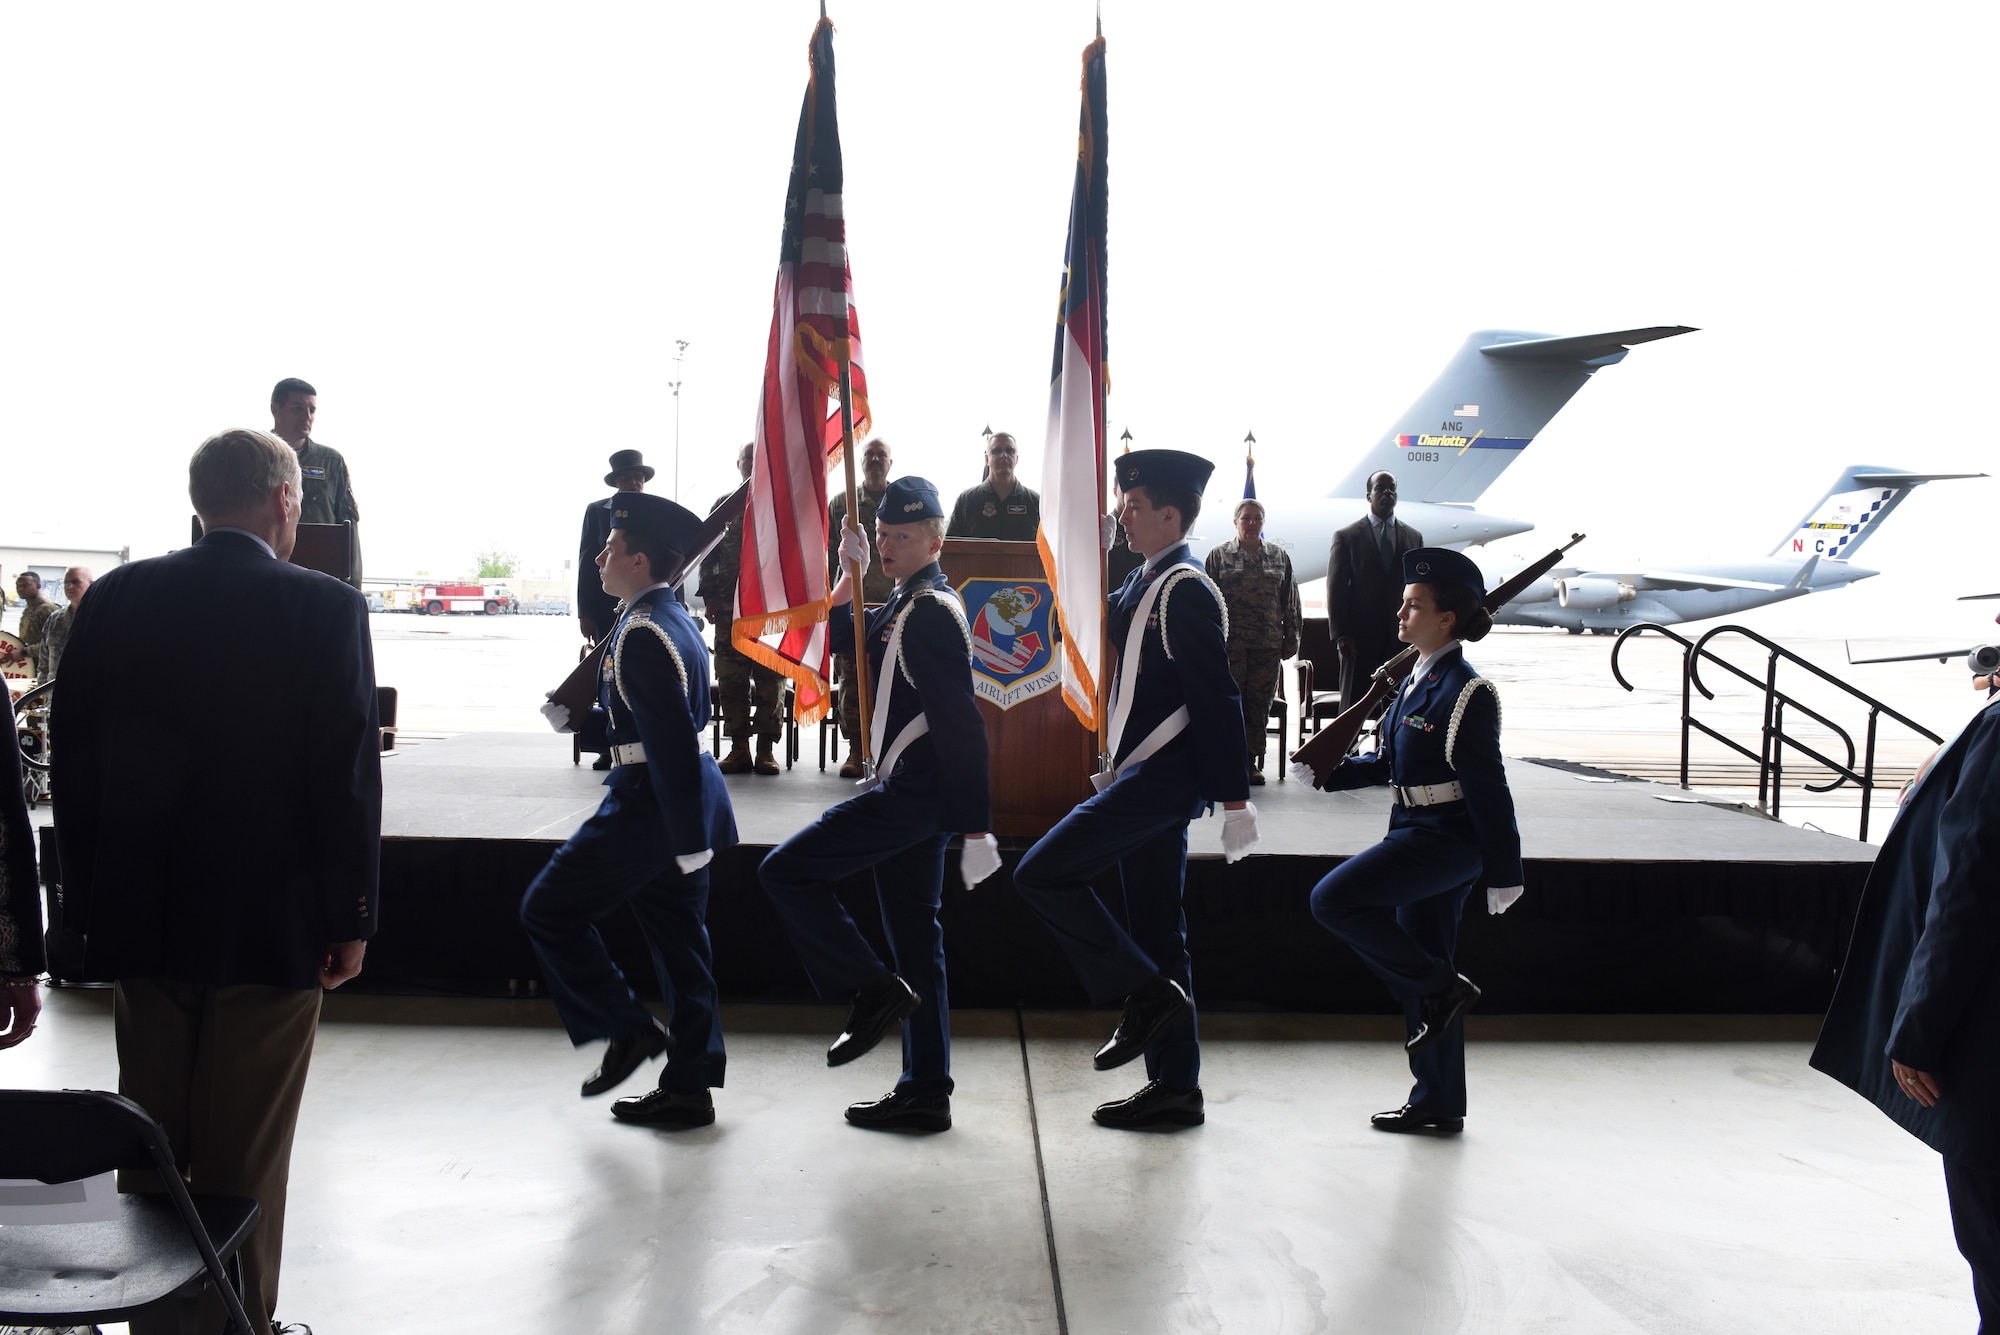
x: 657, y: 695
x: 1414, y: 734
x: 948, y: 764
x: 1183, y: 660
x: 1922, y: 979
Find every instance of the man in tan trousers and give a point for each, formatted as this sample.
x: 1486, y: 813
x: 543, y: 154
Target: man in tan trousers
x: 223, y: 908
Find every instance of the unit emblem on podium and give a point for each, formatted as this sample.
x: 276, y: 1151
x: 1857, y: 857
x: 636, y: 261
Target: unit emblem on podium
x: 1013, y: 651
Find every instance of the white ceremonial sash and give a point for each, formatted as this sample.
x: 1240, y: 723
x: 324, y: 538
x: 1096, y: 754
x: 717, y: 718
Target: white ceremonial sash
x: 878, y: 723
x: 1128, y: 681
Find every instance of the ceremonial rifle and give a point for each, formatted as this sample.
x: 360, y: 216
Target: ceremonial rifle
x: 1328, y: 747
x: 579, y: 689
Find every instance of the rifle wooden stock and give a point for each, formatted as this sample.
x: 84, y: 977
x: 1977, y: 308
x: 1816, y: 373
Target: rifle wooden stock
x: 1325, y: 749
x: 578, y: 691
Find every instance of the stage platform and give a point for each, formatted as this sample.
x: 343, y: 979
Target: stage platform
x: 1639, y: 899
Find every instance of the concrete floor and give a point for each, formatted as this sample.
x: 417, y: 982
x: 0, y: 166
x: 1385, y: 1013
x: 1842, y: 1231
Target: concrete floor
x: 1617, y: 1175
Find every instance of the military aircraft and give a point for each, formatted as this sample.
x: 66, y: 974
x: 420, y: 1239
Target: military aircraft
x: 1814, y: 555
x: 1483, y: 410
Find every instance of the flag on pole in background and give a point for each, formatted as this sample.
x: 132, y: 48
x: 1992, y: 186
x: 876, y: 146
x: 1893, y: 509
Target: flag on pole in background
x: 1250, y: 466
x: 1073, y: 468
x: 781, y: 586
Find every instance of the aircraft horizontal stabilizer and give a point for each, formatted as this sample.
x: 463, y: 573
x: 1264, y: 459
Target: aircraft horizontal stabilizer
x: 1674, y: 579
x: 1803, y: 580
x: 1584, y: 347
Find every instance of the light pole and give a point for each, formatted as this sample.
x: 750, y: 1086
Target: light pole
x: 680, y: 351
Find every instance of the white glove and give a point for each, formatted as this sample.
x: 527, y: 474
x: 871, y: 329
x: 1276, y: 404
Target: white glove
x: 557, y: 715
x: 1107, y: 531
x: 1500, y: 898
x: 980, y: 859
x: 1303, y: 773
x: 853, y: 547
x: 1239, y: 832
x: 690, y: 863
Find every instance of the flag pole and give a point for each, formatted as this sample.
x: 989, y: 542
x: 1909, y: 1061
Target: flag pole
x: 860, y: 573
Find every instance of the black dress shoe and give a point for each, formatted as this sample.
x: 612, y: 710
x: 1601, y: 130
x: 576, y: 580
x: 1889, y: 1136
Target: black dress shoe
x: 1149, y: 1013
x: 1408, y: 1121
x: 663, y: 1107
x: 869, y: 1017
x: 603, y: 762
x: 1155, y: 1105
x: 897, y: 1111
x: 1440, y: 1011
x: 626, y: 1054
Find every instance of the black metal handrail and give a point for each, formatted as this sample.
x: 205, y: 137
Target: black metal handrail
x: 1770, y: 755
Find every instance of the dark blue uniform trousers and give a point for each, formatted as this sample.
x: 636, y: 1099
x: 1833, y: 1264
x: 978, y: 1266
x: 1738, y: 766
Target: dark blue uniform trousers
x: 1140, y: 828
x: 621, y: 856
x: 1397, y: 904
x: 897, y: 833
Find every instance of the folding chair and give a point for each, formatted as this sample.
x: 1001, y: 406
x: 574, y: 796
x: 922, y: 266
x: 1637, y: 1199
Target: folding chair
x: 157, y: 1249
x: 1277, y: 721
x: 1318, y: 667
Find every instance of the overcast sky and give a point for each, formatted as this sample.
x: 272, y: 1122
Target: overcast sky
x: 479, y: 230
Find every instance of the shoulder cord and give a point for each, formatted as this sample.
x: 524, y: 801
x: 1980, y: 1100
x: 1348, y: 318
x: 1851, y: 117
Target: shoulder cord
x: 1175, y: 576
x: 957, y: 616
x: 1458, y: 713
x: 618, y: 655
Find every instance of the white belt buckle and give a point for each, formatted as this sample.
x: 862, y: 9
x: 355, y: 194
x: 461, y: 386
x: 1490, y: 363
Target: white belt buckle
x: 633, y: 753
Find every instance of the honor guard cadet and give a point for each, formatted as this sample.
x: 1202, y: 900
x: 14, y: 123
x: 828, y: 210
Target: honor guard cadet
x: 1177, y: 745
x: 930, y: 747
x: 1451, y: 831
x: 665, y: 817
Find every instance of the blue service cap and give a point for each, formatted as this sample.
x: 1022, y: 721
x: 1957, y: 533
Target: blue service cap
x: 1163, y: 468
x: 654, y: 519
x: 1442, y: 565
x: 907, y: 500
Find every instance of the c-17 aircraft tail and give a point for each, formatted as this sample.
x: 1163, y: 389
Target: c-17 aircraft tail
x: 1852, y: 509
x: 1491, y: 400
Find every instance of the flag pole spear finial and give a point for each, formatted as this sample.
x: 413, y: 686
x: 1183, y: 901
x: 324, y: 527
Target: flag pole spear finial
x: 1100, y: 16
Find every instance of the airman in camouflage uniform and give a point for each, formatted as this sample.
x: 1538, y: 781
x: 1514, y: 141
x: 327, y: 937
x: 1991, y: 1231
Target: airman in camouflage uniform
x: 743, y: 683
x: 36, y: 609
x: 875, y: 587
x: 1256, y: 581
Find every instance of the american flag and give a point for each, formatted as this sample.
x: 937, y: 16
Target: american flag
x: 781, y: 589
x: 1073, y: 474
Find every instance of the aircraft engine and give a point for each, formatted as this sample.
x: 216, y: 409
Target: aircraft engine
x: 1542, y: 590
x: 1591, y: 595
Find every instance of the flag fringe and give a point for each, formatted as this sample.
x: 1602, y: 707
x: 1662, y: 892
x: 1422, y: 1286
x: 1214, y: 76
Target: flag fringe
x: 1086, y: 715
x: 747, y: 633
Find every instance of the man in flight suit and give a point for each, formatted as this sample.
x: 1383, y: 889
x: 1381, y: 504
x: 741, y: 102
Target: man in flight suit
x: 933, y: 784
x: 664, y: 819
x: 1000, y: 507
x: 329, y: 492
x: 1177, y: 746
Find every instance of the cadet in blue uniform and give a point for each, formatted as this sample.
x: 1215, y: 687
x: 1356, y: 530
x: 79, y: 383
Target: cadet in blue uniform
x: 665, y: 817
x: 1177, y: 746
x: 1397, y: 904
x: 1916, y: 1016
x: 930, y: 748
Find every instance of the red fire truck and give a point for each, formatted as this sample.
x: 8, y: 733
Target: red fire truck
x: 437, y: 599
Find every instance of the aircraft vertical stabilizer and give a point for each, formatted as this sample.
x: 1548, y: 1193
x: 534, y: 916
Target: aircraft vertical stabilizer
x: 1854, y: 507
x: 1493, y: 398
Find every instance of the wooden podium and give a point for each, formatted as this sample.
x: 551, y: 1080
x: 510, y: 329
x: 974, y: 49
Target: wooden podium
x: 1042, y: 757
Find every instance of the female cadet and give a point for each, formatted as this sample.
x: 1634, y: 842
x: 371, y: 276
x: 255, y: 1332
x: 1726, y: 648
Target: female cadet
x: 1452, y: 829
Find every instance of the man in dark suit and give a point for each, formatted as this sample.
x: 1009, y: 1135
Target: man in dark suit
x: 596, y: 610
x: 1177, y: 744
x: 1916, y: 1015
x: 222, y: 907
x: 1364, y: 587
x: 664, y: 817
x: 929, y: 743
